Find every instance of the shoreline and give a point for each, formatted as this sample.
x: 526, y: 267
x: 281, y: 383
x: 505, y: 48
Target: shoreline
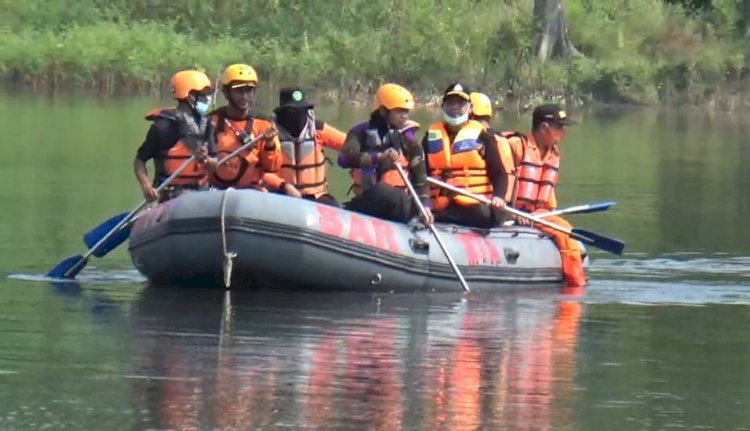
x: 112, y: 88
x: 657, y: 54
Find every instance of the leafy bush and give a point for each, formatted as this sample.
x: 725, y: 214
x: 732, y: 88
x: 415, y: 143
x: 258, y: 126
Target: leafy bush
x: 635, y: 51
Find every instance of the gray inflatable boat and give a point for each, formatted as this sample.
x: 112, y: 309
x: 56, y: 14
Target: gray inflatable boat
x: 249, y: 238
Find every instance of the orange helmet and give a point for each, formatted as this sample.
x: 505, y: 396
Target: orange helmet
x: 239, y: 75
x: 481, y: 106
x: 393, y: 96
x: 185, y: 81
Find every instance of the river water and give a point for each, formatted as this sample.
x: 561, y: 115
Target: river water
x: 658, y: 341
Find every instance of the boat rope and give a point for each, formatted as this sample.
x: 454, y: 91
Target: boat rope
x: 228, y: 256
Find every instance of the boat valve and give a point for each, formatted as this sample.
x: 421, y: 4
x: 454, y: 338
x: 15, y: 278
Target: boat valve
x: 511, y: 256
x: 419, y: 244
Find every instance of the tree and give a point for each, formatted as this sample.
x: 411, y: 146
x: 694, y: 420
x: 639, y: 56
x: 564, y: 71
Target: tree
x: 746, y: 22
x: 554, y: 41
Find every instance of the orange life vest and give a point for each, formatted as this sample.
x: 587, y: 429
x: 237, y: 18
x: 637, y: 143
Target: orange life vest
x: 246, y: 169
x: 303, y: 161
x: 371, y: 141
x: 536, y: 178
x: 460, y: 163
x: 192, y: 136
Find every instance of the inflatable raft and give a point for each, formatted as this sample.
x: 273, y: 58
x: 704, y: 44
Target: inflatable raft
x: 246, y: 237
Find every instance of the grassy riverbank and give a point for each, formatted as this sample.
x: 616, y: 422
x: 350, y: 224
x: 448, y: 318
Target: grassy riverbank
x: 635, y: 51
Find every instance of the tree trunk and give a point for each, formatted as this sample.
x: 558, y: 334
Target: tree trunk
x: 554, y: 41
x: 746, y: 22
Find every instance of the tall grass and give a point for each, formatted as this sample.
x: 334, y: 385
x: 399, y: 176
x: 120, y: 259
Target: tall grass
x: 636, y: 51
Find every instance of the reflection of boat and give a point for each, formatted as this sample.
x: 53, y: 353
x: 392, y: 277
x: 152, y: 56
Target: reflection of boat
x: 349, y: 361
x: 302, y: 243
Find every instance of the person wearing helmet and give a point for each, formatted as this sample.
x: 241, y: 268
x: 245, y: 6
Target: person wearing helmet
x: 481, y: 111
x: 303, y: 138
x: 176, y: 134
x: 373, y: 147
x: 481, y: 108
x: 236, y: 124
x: 463, y: 153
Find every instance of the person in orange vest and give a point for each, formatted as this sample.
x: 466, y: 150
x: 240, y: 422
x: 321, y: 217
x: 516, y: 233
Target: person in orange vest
x: 176, y: 134
x: 371, y: 150
x: 538, y: 162
x: 481, y: 111
x: 461, y: 152
x: 236, y: 124
x: 302, y: 139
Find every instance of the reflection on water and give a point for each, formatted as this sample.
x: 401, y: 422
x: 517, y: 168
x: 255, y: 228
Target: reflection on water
x: 160, y: 358
x: 402, y: 363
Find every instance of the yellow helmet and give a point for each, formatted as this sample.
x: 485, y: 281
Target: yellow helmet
x: 393, y: 96
x: 240, y: 75
x: 481, y: 106
x: 185, y: 81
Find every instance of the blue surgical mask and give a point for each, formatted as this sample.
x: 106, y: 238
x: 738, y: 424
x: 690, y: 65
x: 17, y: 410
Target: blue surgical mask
x: 457, y: 121
x: 202, y: 107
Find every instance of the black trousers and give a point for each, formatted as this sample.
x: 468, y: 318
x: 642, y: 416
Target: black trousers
x: 479, y: 216
x: 324, y: 199
x: 384, y: 201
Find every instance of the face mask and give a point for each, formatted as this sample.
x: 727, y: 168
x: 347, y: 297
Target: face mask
x: 455, y: 121
x: 202, y: 106
x: 293, y: 120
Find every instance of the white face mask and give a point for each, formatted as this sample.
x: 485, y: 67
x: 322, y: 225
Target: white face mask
x: 457, y: 121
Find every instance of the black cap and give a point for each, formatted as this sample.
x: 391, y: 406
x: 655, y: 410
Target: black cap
x: 550, y: 114
x: 458, y: 89
x: 293, y: 97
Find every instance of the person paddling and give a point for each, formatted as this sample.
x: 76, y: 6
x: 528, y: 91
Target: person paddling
x: 461, y: 152
x: 237, y: 123
x: 372, y: 149
x: 175, y: 135
x: 538, y: 164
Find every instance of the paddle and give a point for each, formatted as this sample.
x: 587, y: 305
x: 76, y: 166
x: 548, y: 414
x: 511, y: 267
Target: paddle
x: 580, y: 209
x: 432, y: 229
x: 114, y: 231
x: 605, y: 243
x: 97, y: 233
x: 269, y: 133
x: 71, y: 266
x: 216, y: 86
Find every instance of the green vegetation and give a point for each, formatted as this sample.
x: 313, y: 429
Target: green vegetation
x: 635, y: 51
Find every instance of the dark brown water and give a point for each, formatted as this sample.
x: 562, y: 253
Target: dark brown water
x: 658, y: 341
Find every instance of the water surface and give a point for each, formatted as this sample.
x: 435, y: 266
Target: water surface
x: 657, y: 341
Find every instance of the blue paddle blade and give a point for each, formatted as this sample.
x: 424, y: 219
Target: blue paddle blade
x: 75, y: 263
x: 113, y: 241
x: 614, y: 246
x: 96, y: 234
